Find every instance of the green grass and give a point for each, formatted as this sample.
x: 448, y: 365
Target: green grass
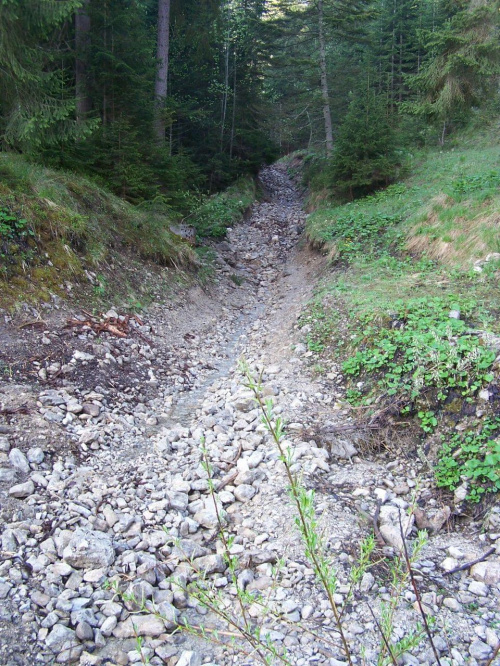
x: 454, y: 191
x: 70, y: 225
x: 219, y: 212
x: 403, y: 259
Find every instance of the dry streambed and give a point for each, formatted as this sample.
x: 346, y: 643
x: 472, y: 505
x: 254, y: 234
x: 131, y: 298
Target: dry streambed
x: 103, y: 487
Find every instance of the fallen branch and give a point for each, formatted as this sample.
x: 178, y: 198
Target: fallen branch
x: 227, y: 479
x: 467, y: 565
x: 117, y: 326
x: 23, y: 409
x: 36, y: 322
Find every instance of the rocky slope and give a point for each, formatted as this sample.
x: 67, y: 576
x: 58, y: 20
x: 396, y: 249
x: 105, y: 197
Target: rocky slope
x: 105, y: 504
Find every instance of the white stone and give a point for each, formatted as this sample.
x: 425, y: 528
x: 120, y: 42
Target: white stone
x: 448, y: 563
x: 487, y: 572
x: 19, y: 461
x: 22, y: 490
x: 89, y: 549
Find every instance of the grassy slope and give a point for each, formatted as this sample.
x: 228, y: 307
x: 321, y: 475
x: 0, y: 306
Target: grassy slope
x: 410, y: 255
x: 55, y: 226
x: 220, y: 211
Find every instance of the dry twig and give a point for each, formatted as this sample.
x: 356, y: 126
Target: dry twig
x: 467, y: 565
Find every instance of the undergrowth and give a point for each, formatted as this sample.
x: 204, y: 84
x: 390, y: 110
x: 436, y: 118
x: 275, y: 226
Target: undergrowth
x: 422, y: 349
x: 447, y: 210
x: 411, y: 313
x: 54, y: 226
x: 217, y: 213
x: 473, y: 456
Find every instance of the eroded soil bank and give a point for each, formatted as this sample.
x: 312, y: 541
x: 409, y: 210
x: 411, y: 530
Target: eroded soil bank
x: 105, y: 503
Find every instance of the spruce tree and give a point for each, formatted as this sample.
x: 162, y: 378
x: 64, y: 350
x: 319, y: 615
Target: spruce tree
x: 37, y: 106
x: 365, y: 155
x: 463, y: 62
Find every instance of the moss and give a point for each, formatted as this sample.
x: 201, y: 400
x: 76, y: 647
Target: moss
x: 76, y: 225
x: 455, y: 406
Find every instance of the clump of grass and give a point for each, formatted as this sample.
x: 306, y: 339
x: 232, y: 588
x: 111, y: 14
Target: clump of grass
x: 217, y: 213
x: 447, y: 210
x: 409, y: 256
x: 73, y: 225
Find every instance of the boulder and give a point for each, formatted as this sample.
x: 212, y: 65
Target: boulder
x: 89, y: 549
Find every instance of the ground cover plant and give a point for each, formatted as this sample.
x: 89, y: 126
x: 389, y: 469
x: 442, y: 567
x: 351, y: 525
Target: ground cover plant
x: 217, y: 213
x: 414, y: 293
x: 55, y: 225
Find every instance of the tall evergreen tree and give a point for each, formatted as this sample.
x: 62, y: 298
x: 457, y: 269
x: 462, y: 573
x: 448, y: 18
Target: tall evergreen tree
x: 365, y: 156
x: 463, y: 62
x: 37, y: 105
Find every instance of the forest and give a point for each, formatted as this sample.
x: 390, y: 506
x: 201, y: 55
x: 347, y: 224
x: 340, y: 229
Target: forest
x: 250, y: 332
x: 169, y: 101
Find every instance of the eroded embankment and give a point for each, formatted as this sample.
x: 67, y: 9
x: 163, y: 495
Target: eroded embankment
x: 111, y: 518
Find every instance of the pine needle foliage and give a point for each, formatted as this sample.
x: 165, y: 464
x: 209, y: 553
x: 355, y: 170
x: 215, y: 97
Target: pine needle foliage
x: 365, y: 155
x: 463, y: 64
x: 36, y: 108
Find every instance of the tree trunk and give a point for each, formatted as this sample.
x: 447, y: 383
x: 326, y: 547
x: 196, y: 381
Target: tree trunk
x: 233, y: 119
x: 225, y: 94
x: 162, y: 54
x: 82, y: 47
x: 324, y: 83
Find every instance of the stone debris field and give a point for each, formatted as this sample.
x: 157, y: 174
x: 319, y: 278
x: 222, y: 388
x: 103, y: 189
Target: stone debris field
x: 106, y: 513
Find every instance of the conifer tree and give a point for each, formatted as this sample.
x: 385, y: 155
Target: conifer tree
x: 365, y: 156
x: 463, y: 62
x: 37, y: 107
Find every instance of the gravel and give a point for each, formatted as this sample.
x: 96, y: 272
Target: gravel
x: 103, y: 537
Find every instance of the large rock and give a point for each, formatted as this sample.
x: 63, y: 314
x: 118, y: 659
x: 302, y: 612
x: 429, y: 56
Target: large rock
x: 140, y: 625
x: 189, y: 658
x: 244, y: 493
x: 487, y: 572
x: 89, y: 549
x: 8, y: 475
x: 432, y: 519
x: 210, y: 564
x: 61, y: 638
x: 22, y: 490
x: 209, y: 518
x: 394, y: 525
x: 19, y: 461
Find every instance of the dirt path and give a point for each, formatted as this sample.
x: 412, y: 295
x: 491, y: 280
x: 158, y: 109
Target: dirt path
x: 103, y: 487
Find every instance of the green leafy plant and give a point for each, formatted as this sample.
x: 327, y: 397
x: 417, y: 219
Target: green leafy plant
x: 421, y: 349
x: 428, y: 421
x: 471, y: 456
x: 16, y: 237
x: 215, y: 214
x: 472, y: 183
x: 101, y: 286
x: 355, y: 232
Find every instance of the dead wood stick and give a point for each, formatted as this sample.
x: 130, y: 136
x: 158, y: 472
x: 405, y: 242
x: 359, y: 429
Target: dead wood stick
x: 227, y: 479
x: 467, y: 565
x: 36, y: 322
x: 493, y: 656
x: 348, y: 428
